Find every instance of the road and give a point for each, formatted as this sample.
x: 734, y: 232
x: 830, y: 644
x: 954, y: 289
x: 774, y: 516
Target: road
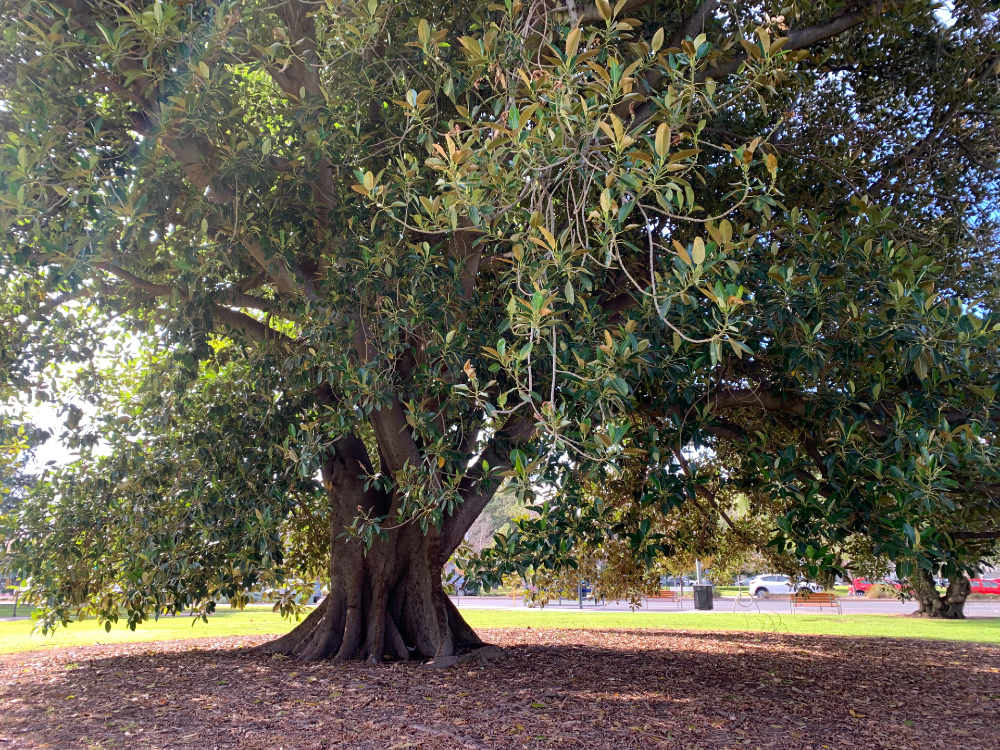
x: 849, y: 606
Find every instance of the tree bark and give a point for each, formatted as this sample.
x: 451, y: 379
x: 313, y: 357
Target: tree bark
x: 386, y: 602
x: 949, y: 606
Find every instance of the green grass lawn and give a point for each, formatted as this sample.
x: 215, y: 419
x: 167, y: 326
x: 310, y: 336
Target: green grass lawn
x: 16, y: 636
x: 870, y: 626
x: 7, y: 610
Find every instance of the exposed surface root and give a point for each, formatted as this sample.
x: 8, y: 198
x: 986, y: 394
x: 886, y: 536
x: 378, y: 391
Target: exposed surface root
x: 296, y: 638
x: 482, y: 654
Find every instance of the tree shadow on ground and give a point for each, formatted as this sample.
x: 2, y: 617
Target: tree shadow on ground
x: 558, y: 689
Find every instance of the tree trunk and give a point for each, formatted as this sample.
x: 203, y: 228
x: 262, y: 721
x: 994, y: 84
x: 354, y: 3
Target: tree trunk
x: 949, y: 606
x: 386, y: 603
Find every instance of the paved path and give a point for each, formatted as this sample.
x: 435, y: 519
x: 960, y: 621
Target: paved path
x: 849, y: 605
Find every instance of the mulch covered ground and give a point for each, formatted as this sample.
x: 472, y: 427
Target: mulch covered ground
x: 558, y: 689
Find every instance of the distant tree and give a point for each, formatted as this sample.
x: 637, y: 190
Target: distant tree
x: 17, y: 451
x: 497, y: 516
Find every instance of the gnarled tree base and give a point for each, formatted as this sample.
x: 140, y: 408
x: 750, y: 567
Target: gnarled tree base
x: 949, y: 606
x: 416, y: 623
x: 386, y: 602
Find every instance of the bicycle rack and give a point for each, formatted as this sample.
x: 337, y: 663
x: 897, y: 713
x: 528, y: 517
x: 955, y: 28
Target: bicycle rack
x: 745, y: 603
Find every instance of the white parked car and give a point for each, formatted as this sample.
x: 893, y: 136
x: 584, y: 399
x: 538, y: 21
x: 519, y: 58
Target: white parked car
x: 765, y: 585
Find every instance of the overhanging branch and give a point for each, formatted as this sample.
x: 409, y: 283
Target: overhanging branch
x: 797, y: 39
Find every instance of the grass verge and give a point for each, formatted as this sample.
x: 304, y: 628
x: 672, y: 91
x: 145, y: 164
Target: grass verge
x: 865, y: 626
x: 17, y: 636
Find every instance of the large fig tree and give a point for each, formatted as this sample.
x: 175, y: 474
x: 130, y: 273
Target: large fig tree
x: 398, y: 252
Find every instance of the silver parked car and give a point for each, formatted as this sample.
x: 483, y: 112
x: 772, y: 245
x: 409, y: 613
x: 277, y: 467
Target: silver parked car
x: 772, y: 583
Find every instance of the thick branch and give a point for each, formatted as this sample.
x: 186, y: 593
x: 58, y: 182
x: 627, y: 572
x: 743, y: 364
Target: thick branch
x: 236, y: 298
x: 727, y: 431
x: 195, y: 158
x: 800, y: 38
x: 975, y: 534
x: 461, y: 247
x: 756, y: 397
x: 277, y: 269
x: 694, y: 23
x: 591, y: 14
x: 232, y: 297
x: 251, y: 327
x: 474, y: 500
x: 301, y: 75
x: 157, y: 290
x: 303, y: 68
x: 797, y: 39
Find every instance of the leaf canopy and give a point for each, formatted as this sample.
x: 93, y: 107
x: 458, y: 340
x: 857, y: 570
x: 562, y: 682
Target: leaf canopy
x: 495, y: 241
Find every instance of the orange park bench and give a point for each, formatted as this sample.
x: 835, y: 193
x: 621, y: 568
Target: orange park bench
x: 818, y: 599
x: 667, y: 595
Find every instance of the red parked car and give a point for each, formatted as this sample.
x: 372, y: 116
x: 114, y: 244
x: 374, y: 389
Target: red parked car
x: 985, y: 585
x: 860, y: 586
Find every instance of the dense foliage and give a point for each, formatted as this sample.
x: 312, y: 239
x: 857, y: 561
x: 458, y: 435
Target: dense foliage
x: 418, y: 250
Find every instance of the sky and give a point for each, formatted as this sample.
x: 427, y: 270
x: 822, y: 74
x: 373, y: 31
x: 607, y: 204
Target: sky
x: 45, y: 416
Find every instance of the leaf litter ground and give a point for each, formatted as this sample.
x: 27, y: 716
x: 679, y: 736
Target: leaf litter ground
x: 556, y: 689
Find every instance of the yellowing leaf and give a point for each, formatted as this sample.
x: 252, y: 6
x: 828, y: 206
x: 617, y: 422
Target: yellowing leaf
x: 548, y: 237
x: 657, y: 40
x: 607, y: 130
x: 698, y: 252
x: 573, y: 42
x: 619, y: 128
x: 662, y: 139
x: 682, y: 253
x: 772, y: 163
x: 726, y: 230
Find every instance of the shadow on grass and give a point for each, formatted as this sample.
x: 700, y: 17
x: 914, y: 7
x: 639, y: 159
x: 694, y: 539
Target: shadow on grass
x: 608, y: 689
